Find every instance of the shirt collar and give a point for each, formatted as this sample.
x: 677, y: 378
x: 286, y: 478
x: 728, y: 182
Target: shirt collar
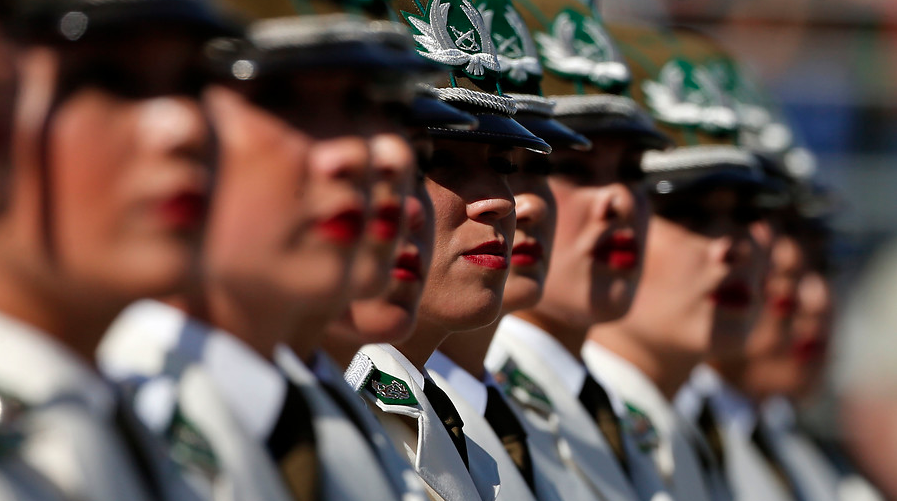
x: 37, y: 369
x: 471, y: 389
x: 565, y: 365
x: 417, y: 376
x: 251, y: 386
x: 730, y: 407
x: 162, y: 337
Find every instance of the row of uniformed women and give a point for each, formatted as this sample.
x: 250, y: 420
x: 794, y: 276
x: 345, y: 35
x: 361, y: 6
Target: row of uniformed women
x: 270, y: 264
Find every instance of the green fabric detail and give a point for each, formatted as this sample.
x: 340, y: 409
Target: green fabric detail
x: 453, y: 32
x: 189, y: 448
x: 390, y: 389
x: 517, y: 385
x: 11, y: 411
x: 640, y: 428
x: 517, y: 53
x: 577, y: 47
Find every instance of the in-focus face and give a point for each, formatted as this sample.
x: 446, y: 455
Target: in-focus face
x: 534, y: 235
x: 474, y: 209
x: 128, y: 163
x: 392, y: 173
x: 289, y: 211
x: 701, y: 285
x: 601, y: 227
x: 390, y: 317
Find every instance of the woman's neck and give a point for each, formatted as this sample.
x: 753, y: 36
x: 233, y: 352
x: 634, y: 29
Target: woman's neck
x: 427, y: 338
x: 571, y: 337
x: 73, y: 318
x: 666, y: 368
x: 468, y: 349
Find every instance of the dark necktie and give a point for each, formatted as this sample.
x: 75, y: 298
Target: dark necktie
x: 710, y: 429
x: 763, y: 443
x: 508, y: 428
x: 129, y: 427
x: 292, y: 445
x: 597, y: 403
x: 449, y: 416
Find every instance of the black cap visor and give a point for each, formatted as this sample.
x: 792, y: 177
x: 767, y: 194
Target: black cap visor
x: 495, y: 129
x: 553, y: 132
x: 429, y: 111
x: 612, y: 124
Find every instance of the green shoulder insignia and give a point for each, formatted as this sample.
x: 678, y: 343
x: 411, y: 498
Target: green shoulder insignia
x: 189, y: 448
x: 517, y: 385
x: 389, y: 389
x: 640, y: 428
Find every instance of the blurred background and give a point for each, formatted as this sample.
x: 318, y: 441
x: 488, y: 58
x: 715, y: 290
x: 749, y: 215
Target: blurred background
x: 832, y: 65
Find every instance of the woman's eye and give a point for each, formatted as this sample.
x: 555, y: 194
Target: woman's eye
x: 502, y: 165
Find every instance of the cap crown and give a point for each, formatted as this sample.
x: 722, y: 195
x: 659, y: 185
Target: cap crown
x: 518, y: 57
x: 454, y: 33
x: 671, y: 80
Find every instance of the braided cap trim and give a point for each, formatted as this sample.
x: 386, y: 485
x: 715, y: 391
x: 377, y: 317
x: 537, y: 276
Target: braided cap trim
x: 533, y: 104
x: 307, y: 31
x: 698, y: 157
x: 596, y: 104
x: 501, y: 104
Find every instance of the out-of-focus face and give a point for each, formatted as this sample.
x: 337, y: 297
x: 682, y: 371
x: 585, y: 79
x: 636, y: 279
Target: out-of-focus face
x: 601, y: 226
x: 113, y: 182
x: 392, y: 180
x: 790, y: 360
x: 534, y: 235
x: 474, y: 209
x: 786, y: 266
x: 290, y: 207
x: 391, y: 316
x: 701, y: 284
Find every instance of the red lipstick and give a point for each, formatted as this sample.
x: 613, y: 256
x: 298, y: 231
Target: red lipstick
x: 735, y: 295
x: 809, y: 349
x: 407, y: 268
x: 784, y: 306
x: 185, y: 210
x: 492, y: 255
x: 385, y: 225
x: 526, y: 254
x: 620, y: 251
x: 345, y: 227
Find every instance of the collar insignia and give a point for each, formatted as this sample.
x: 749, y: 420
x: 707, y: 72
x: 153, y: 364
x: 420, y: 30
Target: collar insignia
x: 685, y: 94
x: 578, y: 47
x: 518, y: 57
x: 517, y: 385
x: 189, y: 448
x: 390, y: 389
x: 640, y: 428
x: 453, y: 32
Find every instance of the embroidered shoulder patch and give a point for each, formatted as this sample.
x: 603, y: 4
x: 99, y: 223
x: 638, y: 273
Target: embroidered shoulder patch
x: 640, y: 428
x: 390, y: 389
x: 360, y: 369
x: 517, y: 385
x: 189, y: 448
